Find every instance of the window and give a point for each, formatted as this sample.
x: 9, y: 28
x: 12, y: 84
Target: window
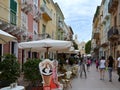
x: 35, y: 27
x: 35, y: 2
x: 29, y: 54
x: 24, y: 18
x: 43, y: 31
x: 12, y: 48
x: 44, y: 1
x: 13, y: 18
x: 13, y: 11
x: 34, y: 54
x: 58, y: 34
x: 53, y: 34
x: 24, y: 21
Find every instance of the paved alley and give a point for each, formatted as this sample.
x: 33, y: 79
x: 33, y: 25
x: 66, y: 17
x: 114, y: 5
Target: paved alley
x: 93, y: 82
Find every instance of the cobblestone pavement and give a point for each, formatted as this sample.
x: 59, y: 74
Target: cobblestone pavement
x: 93, y: 82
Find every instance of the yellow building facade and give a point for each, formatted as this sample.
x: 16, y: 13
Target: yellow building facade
x: 95, y: 43
x: 48, y: 20
x: 4, y: 9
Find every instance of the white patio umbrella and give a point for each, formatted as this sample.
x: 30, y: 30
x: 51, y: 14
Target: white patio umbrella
x: 71, y: 50
x: 5, y: 37
x: 88, y: 55
x: 46, y: 45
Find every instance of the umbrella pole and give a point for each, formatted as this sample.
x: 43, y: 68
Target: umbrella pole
x: 47, y: 49
x: 56, y: 55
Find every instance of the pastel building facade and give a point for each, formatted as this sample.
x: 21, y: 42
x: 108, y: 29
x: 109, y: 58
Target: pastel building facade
x: 109, y: 27
x: 30, y: 20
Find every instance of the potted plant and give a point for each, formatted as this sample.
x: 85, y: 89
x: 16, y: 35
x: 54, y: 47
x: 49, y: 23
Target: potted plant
x: 32, y: 73
x: 10, y: 70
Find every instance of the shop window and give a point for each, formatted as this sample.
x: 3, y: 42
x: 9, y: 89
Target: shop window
x: 34, y: 55
x: 29, y: 54
x: 12, y: 48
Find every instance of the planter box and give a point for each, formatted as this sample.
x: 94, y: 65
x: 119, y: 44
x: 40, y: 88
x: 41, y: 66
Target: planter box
x: 34, y: 88
x: 37, y: 88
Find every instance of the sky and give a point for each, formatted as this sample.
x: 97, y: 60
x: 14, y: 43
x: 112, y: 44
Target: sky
x: 79, y: 15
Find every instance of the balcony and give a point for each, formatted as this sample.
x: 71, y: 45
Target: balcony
x: 96, y: 35
x: 105, y: 44
x: 14, y: 30
x: 112, y: 5
x: 96, y: 47
x: 104, y: 21
x: 60, y: 25
x: 113, y: 34
x: 41, y: 36
x: 26, y: 6
x: 46, y: 13
x: 107, y: 16
x: 37, y: 15
x: 104, y: 41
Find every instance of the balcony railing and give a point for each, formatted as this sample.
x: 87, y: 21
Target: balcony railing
x: 104, y: 42
x: 14, y: 30
x: 37, y: 15
x: 96, y: 35
x: 41, y: 36
x: 96, y: 47
x: 113, y: 33
x: 112, y: 4
x: 26, y: 6
x: 60, y: 25
x: 46, y: 13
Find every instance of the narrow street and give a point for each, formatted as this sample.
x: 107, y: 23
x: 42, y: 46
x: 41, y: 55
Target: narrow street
x: 93, y: 82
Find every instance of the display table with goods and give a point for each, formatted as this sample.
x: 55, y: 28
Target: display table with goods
x: 13, y: 86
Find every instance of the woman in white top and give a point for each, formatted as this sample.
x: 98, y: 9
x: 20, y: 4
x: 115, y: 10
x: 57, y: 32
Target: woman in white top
x: 118, y: 68
x: 102, y: 68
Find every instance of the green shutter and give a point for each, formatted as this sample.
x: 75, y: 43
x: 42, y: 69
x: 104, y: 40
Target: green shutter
x: 13, y: 6
x: 13, y: 11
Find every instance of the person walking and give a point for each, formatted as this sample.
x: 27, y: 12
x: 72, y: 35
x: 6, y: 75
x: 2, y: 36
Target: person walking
x: 82, y: 68
x: 102, y: 68
x: 88, y: 63
x: 110, y: 64
x: 97, y: 64
x: 118, y: 68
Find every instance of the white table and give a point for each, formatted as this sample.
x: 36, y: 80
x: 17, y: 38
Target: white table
x: 59, y: 75
x: 15, y: 88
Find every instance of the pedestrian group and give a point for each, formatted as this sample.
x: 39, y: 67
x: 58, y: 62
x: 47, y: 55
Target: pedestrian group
x: 102, y: 65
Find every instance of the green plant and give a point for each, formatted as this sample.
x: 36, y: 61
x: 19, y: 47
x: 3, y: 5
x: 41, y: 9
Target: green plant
x: 88, y: 47
x: 31, y: 71
x: 10, y: 69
